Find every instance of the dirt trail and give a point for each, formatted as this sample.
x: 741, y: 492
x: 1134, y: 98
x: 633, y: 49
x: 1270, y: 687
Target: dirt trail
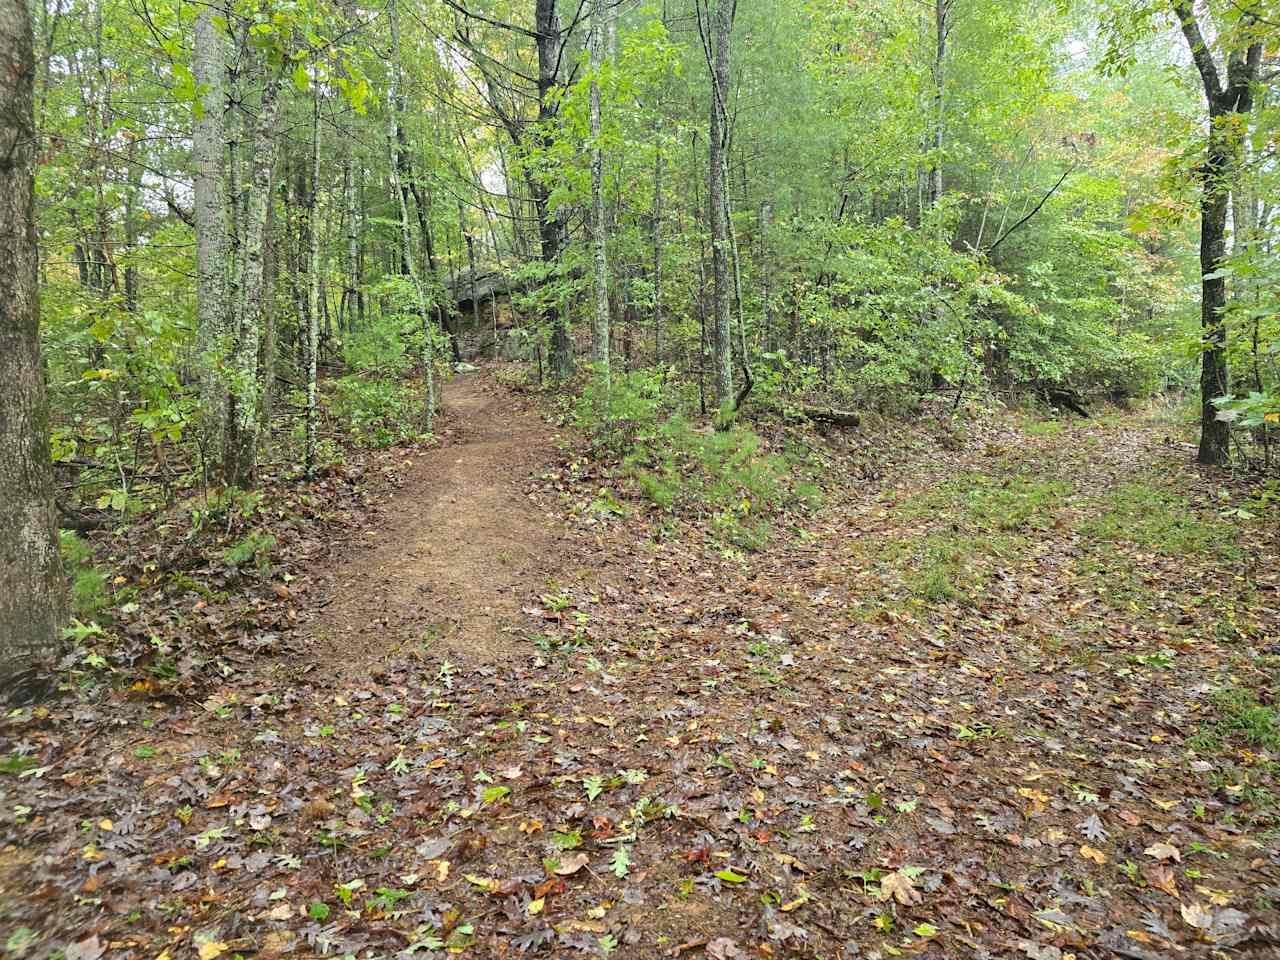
x: 460, y: 546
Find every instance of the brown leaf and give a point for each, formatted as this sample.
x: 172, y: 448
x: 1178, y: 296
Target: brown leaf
x: 898, y: 886
x: 1195, y: 915
x: 1161, y: 877
x: 1089, y: 853
x: 1163, y: 851
x: 572, y: 864
x: 722, y: 948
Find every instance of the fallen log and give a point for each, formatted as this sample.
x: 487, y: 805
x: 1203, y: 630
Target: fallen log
x: 841, y: 418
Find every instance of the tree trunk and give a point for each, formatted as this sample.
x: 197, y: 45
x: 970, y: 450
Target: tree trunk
x: 240, y: 449
x: 942, y: 26
x: 32, y: 593
x: 657, y: 249
x: 1234, y: 97
x: 313, y: 274
x: 600, y: 262
x: 720, y: 27
x: 550, y: 228
x: 406, y: 246
x: 355, y: 297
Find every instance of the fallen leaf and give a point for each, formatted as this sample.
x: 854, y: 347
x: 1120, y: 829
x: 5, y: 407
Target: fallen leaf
x: 1161, y: 877
x: 1089, y: 853
x: 212, y: 949
x: 898, y: 886
x: 722, y: 948
x: 1195, y: 915
x: 572, y: 864
x: 1163, y: 851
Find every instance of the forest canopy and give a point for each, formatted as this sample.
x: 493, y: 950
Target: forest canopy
x: 892, y: 200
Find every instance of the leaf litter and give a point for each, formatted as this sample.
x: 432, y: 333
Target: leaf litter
x: 857, y: 741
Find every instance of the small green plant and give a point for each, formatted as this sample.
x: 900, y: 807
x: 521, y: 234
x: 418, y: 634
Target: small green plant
x: 1158, y: 521
x: 255, y: 548
x: 1240, y: 717
x: 88, y: 584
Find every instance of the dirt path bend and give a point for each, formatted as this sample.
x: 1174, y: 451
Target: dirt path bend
x: 460, y: 546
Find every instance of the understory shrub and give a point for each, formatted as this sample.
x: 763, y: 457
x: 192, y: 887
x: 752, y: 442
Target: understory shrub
x: 725, y: 477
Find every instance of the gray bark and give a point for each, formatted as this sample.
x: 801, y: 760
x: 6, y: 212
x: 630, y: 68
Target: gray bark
x: 32, y: 593
x: 657, y: 249
x: 313, y: 290
x: 942, y: 26
x: 240, y: 449
x: 210, y: 215
x: 550, y: 228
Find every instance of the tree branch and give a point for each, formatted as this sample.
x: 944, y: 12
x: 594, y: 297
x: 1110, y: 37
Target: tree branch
x: 1034, y: 210
x: 1200, y: 51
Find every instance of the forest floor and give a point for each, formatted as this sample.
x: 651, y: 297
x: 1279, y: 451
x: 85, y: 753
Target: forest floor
x: 1006, y: 694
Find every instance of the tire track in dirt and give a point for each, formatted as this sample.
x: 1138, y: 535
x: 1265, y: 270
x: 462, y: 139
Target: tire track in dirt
x: 459, y: 548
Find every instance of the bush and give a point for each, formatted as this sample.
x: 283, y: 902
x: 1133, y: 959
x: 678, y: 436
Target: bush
x: 725, y: 476
x: 379, y: 413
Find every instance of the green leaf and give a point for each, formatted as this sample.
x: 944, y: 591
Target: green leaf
x: 494, y: 794
x: 728, y: 875
x: 620, y: 862
x: 301, y: 79
x: 318, y: 911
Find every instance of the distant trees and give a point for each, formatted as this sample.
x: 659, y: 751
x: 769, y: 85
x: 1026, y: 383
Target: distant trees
x: 870, y: 202
x: 32, y: 593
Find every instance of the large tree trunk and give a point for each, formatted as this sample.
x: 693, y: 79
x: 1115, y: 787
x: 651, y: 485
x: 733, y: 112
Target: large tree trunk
x: 550, y: 229
x: 600, y: 261
x: 1232, y: 97
x: 32, y: 594
x: 720, y: 27
x: 240, y: 449
x: 1215, y: 434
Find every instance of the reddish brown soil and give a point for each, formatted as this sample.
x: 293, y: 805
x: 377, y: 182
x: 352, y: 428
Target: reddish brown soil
x: 458, y: 547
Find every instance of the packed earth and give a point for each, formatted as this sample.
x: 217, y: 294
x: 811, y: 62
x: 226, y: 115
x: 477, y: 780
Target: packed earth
x: 993, y: 693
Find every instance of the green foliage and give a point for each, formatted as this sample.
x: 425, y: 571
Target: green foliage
x: 1241, y: 717
x: 256, y: 548
x: 1154, y: 519
x: 723, y: 476
x: 377, y: 412
x: 89, y: 593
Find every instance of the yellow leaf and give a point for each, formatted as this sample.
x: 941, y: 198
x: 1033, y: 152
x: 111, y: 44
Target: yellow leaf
x: 212, y: 949
x: 1195, y: 915
x: 1089, y: 853
x: 535, y: 906
x: 489, y: 884
x: 106, y: 825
